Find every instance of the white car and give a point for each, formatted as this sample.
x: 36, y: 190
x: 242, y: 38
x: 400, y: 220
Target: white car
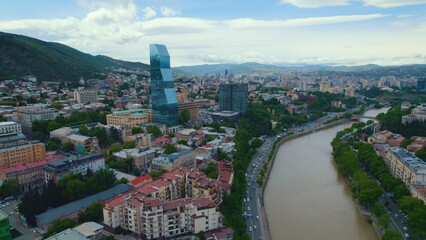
x: 250, y: 229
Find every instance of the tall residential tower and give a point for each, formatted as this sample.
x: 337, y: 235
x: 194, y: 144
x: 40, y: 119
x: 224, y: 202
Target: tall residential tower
x: 163, y: 96
x: 233, y: 97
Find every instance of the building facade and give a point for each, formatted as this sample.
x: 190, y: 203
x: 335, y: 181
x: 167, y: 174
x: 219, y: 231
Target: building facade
x: 32, y: 151
x: 163, y: 96
x: 76, y: 164
x: 150, y: 218
x: 131, y: 118
x: 233, y: 97
x: 86, y: 96
x: 192, y: 107
x: 405, y: 166
x: 9, y: 128
x: 28, y: 114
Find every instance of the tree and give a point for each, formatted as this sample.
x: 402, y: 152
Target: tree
x: 8, y: 188
x: 136, y: 130
x: 154, y: 130
x: 156, y: 174
x: 115, y: 147
x: 184, y: 116
x: 58, y: 226
x: 56, y: 106
x: 169, y: 148
x: 421, y: 154
x: 68, y: 146
x: 129, y: 145
x: 75, y: 189
x: 114, y: 134
x: 93, y: 213
x: 53, y: 144
x: 256, y: 143
x: 391, y: 235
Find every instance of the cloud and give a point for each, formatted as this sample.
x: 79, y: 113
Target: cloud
x: 392, y: 3
x: 176, y: 25
x: 315, y: 3
x: 149, y: 12
x: 169, y: 12
x: 297, y: 22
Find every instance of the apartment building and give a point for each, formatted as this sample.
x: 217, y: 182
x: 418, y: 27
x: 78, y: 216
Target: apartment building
x: 81, y: 143
x: 131, y: 118
x: 405, y: 165
x: 28, y: 152
x: 168, y: 162
x: 150, y: 218
x: 27, y: 175
x: 142, y: 158
x: 76, y: 164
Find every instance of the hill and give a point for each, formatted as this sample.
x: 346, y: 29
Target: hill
x: 50, y: 61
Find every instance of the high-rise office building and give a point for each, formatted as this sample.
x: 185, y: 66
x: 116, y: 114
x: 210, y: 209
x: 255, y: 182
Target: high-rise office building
x: 233, y: 97
x: 421, y: 84
x: 163, y: 96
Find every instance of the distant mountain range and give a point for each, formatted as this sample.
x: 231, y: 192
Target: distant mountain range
x: 251, y: 67
x: 50, y: 61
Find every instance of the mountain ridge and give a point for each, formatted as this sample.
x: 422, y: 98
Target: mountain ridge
x: 51, y: 61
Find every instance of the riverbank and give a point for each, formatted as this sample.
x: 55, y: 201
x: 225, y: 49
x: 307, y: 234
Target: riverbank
x: 260, y: 191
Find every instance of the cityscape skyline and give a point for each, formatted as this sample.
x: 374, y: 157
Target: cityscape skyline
x: 286, y: 32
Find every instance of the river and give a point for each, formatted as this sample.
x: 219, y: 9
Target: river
x: 305, y: 198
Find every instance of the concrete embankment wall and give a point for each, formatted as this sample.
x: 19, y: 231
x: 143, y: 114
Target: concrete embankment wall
x: 261, y: 190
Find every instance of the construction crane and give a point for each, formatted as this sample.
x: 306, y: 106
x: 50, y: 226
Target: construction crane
x: 18, y: 114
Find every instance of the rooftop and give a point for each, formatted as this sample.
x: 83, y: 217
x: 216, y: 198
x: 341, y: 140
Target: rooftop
x: 79, y: 138
x: 7, y: 123
x: 71, y: 207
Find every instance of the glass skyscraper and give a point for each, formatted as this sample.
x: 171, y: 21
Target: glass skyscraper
x: 233, y: 97
x: 163, y: 96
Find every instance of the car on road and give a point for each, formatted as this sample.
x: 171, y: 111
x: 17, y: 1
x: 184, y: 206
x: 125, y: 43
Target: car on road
x: 406, y: 235
x: 248, y: 208
x: 405, y: 228
x: 257, y: 217
x: 254, y: 227
x: 250, y: 229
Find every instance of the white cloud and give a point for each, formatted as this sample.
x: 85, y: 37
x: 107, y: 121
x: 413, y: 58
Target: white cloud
x: 175, y: 25
x: 149, y: 12
x: 392, y: 3
x: 253, y: 23
x: 315, y: 3
x: 169, y: 12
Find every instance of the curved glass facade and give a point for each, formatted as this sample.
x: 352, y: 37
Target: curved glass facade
x: 163, y: 96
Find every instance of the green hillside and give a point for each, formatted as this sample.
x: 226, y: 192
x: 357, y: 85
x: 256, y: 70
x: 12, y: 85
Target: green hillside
x: 48, y: 61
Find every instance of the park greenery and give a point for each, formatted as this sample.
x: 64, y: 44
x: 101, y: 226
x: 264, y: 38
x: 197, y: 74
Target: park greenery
x: 69, y: 188
x: 9, y: 188
x: 358, y: 161
x: 231, y: 207
x: 41, y: 128
x: 392, y: 121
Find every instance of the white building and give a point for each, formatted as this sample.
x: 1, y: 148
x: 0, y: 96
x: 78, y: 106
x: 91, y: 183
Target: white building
x: 9, y: 128
x: 77, y: 164
x: 149, y: 218
x: 31, y: 113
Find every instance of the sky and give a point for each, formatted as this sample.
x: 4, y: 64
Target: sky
x: 280, y: 32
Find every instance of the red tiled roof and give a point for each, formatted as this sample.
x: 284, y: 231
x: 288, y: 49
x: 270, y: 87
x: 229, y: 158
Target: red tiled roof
x: 141, y: 179
x: 25, y: 166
